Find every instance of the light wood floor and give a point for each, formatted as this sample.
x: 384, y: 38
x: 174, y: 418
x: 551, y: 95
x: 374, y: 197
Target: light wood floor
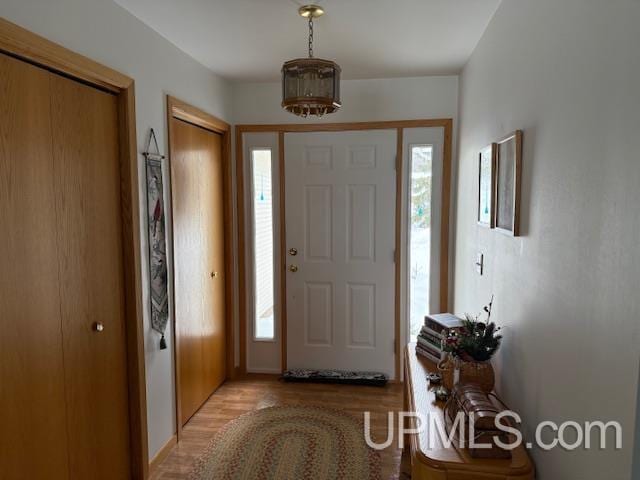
x: 237, y: 397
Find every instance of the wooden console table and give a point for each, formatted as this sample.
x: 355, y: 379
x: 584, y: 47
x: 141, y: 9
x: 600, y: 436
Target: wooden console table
x: 435, y: 461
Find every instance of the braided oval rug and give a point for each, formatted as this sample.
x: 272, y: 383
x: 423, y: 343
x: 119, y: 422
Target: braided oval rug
x: 289, y: 443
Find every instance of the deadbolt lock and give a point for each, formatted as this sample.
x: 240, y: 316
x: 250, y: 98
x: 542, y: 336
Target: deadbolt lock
x: 293, y: 252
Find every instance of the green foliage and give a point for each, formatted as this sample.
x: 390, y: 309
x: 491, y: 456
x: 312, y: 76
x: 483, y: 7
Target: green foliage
x: 477, y: 341
x: 421, y: 196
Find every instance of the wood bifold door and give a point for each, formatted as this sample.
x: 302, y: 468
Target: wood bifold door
x: 63, y: 359
x: 198, y: 226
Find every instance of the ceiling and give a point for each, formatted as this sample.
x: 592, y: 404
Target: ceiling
x: 248, y: 40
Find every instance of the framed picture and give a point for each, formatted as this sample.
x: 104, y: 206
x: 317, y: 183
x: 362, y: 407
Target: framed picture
x: 486, y: 186
x: 508, y: 179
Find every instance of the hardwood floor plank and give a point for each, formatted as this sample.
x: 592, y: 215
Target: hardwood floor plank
x: 234, y: 398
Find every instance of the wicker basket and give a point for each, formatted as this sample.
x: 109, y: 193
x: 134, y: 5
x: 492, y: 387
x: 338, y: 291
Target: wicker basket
x: 480, y: 373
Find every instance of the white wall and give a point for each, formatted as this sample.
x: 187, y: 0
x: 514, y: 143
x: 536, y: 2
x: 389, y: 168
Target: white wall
x: 567, y: 73
x: 362, y: 100
x: 106, y: 33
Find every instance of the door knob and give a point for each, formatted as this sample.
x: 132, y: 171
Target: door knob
x: 293, y: 268
x: 214, y: 274
x: 293, y: 252
x: 98, y: 327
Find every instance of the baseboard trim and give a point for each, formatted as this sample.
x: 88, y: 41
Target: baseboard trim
x: 162, y: 454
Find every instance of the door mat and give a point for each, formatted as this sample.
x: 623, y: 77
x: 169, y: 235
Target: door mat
x: 336, y: 376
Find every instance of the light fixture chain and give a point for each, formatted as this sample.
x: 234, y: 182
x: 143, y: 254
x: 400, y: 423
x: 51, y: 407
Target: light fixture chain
x: 310, y: 36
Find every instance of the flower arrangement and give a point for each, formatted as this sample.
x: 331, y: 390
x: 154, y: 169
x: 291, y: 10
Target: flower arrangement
x: 476, y: 340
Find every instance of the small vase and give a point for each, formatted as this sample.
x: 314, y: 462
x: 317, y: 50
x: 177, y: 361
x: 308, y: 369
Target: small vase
x: 480, y: 373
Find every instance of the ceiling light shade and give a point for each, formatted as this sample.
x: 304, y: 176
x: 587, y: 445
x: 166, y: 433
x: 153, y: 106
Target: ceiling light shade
x: 311, y: 86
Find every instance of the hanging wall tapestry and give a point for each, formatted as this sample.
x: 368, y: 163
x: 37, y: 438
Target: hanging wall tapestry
x: 157, y: 241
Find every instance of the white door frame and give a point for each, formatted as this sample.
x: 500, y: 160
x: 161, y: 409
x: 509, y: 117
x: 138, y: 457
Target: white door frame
x: 400, y: 333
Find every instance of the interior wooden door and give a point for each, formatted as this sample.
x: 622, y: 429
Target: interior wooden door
x: 198, y: 230
x: 32, y: 396
x: 86, y: 181
x: 211, y: 204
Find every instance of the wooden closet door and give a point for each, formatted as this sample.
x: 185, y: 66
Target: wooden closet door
x: 211, y: 205
x: 33, y: 442
x: 86, y: 178
x: 189, y: 270
x: 199, y: 285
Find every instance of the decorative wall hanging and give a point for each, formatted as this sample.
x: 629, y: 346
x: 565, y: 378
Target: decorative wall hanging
x: 486, y: 186
x: 508, y: 179
x: 158, y: 277
x: 311, y: 86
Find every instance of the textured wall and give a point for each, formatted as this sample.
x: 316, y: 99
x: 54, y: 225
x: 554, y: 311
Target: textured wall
x: 567, y: 73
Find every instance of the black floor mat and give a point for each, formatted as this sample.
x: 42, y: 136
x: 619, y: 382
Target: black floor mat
x: 336, y: 376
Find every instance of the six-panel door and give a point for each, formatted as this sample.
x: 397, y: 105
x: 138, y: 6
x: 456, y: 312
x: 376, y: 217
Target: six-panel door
x: 340, y: 216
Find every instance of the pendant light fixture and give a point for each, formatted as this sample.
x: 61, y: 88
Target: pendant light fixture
x: 311, y: 86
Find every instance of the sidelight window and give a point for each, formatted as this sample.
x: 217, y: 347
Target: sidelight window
x: 419, y: 235
x: 263, y: 245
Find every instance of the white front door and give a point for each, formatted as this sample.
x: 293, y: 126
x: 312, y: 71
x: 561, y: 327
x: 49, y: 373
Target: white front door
x: 340, y: 218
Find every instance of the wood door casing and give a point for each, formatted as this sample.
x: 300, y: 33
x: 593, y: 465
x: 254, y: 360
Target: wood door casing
x: 198, y: 230
x: 282, y: 129
x: 87, y: 186
x: 32, y: 376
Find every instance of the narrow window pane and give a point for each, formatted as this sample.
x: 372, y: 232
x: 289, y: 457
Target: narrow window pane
x: 264, y: 325
x: 419, y: 236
